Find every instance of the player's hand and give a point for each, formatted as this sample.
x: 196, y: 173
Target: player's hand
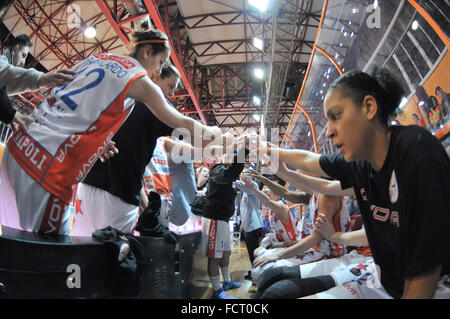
x: 257, y: 175
x: 257, y: 250
x: 21, y: 120
x: 108, y: 151
x: 324, y: 226
x: 246, y: 180
x: 264, y: 260
x: 55, y: 78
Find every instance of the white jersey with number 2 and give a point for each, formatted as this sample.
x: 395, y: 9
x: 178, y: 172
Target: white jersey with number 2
x: 75, y: 122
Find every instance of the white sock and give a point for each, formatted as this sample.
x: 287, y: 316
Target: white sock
x: 226, y: 273
x: 215, y: 281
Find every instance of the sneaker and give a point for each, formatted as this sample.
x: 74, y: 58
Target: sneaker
x: 227, y: 285
x: 220, y: 294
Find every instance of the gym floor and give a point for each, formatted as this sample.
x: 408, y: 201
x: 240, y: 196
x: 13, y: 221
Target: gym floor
x: 240, y: 265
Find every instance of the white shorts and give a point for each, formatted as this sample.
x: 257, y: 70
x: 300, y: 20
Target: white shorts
x: 216, y: 237
x: 26, y: 205
x: 326, y: 266
x: 311, y: 255
x: 100, y: 209
x: 367, y: 287
x: 355, y: 290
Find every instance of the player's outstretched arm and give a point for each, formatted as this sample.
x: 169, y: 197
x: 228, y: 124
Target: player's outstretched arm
x: 354, y: 238
x: 294, y: 197
x: 280, y: 209
x: 316, y: 184
x: 144, y: 90
x: 299, y: 159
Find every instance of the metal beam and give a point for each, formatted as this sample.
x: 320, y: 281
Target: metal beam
x: 161, y: 25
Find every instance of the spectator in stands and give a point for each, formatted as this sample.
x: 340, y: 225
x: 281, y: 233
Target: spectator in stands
x: 15, y: 79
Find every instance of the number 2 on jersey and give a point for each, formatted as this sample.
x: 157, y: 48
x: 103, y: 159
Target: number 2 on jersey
x: 66, y: 98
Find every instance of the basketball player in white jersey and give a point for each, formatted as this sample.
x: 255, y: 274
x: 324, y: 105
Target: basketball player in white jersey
x: 41, y: 166
x: 309, y: 245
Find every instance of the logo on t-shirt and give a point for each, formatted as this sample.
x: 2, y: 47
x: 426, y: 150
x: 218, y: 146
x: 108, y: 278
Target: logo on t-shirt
x: 393, y: 188
x: 363, y: 194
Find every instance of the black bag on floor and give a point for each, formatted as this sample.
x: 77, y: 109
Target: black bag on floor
x: 149, y: 223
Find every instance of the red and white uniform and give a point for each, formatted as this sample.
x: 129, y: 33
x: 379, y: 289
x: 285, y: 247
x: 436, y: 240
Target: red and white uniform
x: 73, y: 125
x: 283, y: 231
x: 340, y: 221
x: 325, y: 249
x: 157, y: 179
x: 97, y: 208
x: 216, y: 237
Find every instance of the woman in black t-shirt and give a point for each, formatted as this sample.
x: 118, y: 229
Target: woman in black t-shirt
x: 400, y: 176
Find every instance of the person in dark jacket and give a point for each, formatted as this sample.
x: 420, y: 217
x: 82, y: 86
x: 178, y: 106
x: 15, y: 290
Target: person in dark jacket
x: 219, y: 208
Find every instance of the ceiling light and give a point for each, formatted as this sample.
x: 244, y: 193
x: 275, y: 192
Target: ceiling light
x: 415, y: 25
x: 257, y: 100
x: 256, y: 117
x: 258, y: 43
x: 90, y: 32
x: 403, y: 102
x: 259, y: 4
x: 259, y: 73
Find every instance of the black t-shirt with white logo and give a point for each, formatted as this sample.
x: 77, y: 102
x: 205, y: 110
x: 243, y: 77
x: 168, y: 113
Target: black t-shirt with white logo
x: 404, y: 206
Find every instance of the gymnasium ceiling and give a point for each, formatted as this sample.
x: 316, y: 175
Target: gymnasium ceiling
x: 213, y: 48
x: 212, y: 42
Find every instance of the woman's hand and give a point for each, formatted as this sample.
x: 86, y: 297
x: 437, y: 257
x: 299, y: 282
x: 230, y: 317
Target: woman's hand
x: 324, y: 226
x: 264, y: 260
